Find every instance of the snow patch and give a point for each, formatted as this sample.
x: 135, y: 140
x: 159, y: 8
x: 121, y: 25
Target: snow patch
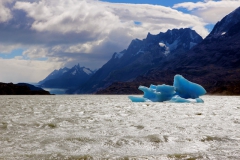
x: 53, y: 73
x: 87, y: 71
x: 173, y: 45
x: 169, y: 46
x: 140, y: 51
x: 74, y: 72
x: 191, y: 35
x: 167, y: 51
x: 65, y: 71
x: 119, y: 55
x: 162, y: 44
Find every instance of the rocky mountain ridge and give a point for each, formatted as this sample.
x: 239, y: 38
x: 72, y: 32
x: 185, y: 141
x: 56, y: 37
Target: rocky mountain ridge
x: 139, y: 57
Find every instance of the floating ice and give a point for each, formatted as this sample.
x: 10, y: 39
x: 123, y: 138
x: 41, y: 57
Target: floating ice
x: 182, y: 91
x: 187, y: 89
x: 178, y: 99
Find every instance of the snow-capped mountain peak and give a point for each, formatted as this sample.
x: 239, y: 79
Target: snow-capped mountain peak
x: 81, y: 70
x: 166, y: 43
x: 67, y: 78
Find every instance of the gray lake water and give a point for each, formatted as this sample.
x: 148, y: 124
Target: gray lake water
x: 112, y: 127
x: 57, y: 91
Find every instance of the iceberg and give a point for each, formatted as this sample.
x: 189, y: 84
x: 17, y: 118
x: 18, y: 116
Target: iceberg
x: 182, y: 91
x: 187, y: 89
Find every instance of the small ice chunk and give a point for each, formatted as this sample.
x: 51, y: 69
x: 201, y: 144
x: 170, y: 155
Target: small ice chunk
x: 138, y: 99
x: 178, y: 99
x: 149, y: 93
x: 199, y: 100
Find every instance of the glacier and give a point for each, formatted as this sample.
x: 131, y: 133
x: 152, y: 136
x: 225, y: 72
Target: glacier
x: 182, y: 91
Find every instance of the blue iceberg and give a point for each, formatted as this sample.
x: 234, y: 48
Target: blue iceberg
x: 182, y: 91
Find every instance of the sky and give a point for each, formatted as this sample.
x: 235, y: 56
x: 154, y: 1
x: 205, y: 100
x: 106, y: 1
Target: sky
x: 39, y: 36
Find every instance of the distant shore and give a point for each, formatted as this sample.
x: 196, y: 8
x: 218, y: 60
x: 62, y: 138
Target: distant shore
x: 21, y: 89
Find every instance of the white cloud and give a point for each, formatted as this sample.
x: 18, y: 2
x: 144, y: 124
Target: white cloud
x: 5, y: 13
x: 210, y: 11
x: 69, y: 15
x: 154, y: 18
x: 36, y: 52
x: 17, y: 70
x: 8, y: 48
x: 100, y: 18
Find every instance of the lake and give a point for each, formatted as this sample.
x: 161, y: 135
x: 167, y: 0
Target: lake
x: 112, y: 127
x: 57, y: 91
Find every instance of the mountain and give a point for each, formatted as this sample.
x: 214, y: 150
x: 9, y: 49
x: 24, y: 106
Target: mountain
x: 141, y: 56
x: 21, y: 89
x: 54, y: 75
x: 214, y: 63
x: 67, y: 78
x: 223, y: 26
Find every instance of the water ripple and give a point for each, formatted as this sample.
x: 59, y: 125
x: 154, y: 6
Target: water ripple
x: 112, y: 127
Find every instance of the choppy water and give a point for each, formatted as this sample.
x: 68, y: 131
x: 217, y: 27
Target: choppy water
x: 112, y: 127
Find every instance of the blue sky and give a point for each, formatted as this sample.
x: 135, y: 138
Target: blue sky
x: 38, y: 36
